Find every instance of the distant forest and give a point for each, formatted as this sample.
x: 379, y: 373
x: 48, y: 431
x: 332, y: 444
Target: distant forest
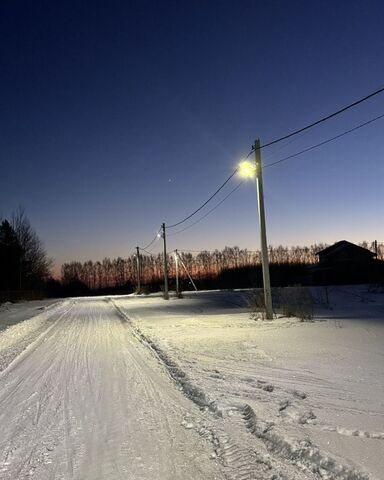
x: 228, y: 268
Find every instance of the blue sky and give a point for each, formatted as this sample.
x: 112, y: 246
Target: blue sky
x: 117, y: 116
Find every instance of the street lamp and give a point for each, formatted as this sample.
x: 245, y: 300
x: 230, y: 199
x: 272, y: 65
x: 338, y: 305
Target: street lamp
x: 248, y: 170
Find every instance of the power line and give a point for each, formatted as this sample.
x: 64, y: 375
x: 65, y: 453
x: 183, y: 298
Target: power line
x: 152, y: 241
x: 197, y: 251
x: 209, y: 212
x: 146, y: 251
x: 215, y: 251
x: 205, y: 203
x: 324, y: 142
x: 323, y: 119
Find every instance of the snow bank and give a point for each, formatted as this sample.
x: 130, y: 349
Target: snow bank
x: 23, y: 323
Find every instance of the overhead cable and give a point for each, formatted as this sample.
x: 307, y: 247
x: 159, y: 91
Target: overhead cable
x: 324, y: 142
x: 323, y: 119
x: 146, y: 251
x: 210, y: 211
x: 152, y: 241
x: 214, y: 251
x: 205, y: 203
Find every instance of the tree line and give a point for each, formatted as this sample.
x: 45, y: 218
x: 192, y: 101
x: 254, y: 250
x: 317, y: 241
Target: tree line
x: 24, y: 264
x: 203, y: 265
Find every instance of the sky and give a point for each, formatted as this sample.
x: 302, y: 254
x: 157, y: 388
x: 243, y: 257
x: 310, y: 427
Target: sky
x: 117, y: 116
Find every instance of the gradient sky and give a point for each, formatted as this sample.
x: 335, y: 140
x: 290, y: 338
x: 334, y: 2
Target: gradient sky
x: 117, y: 116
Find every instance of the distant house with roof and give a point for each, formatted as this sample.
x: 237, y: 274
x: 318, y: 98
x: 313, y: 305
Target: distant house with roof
x: 346, y: 263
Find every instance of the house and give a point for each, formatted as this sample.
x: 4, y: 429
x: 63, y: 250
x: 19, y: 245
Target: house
x: 346, y: 263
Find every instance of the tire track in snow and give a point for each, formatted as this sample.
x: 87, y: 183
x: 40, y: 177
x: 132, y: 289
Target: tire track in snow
x: 190, y: 390
x: 302, y: 452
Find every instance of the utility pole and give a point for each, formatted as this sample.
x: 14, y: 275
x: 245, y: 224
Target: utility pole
x: 138, y: 269
x: 166, y: 295
x: 263, y: 234
x: 177, y: 272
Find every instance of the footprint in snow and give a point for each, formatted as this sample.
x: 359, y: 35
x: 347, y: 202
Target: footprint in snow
x: 298, y: 394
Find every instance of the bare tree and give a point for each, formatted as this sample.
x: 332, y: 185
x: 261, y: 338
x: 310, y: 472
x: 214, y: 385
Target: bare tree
x: 34, y: 263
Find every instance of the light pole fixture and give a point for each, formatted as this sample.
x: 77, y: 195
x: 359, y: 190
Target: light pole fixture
x: 248, y: 170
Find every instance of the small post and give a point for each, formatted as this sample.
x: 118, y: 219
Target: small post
x: 166, y: 295
x: 138, y: 269
x: 177, y: 272
x: 263, y: 233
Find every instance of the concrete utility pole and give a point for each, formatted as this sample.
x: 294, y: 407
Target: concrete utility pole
x: 166, y: 295
x: 138, y: 269
x: 263, y: 234
x: 177, y: 272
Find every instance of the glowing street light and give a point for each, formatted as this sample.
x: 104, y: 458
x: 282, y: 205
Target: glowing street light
x: 248, y: 170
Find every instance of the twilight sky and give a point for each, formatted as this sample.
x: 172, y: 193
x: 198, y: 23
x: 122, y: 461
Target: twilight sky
x: 117, y: 116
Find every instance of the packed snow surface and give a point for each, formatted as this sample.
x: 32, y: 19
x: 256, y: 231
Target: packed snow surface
x: 137, y: 387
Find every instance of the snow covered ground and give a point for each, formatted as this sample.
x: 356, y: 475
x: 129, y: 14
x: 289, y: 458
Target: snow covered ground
x: 311, y: 393
x: 193, y: 388
x: 12, y: 313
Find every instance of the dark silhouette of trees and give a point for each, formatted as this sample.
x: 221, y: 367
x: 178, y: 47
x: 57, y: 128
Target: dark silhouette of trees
x: 35, y: 264
x: 228, y: 268
x: 10, y: 258
x: 24, y: 264
x: 201, y: 266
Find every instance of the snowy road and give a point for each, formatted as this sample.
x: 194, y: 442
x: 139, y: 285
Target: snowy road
x: 86, y: 400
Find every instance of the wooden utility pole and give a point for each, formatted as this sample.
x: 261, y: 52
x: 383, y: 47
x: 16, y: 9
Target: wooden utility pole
x: 138, y: 269
x: 263, y: 233
x: 166, y: 295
